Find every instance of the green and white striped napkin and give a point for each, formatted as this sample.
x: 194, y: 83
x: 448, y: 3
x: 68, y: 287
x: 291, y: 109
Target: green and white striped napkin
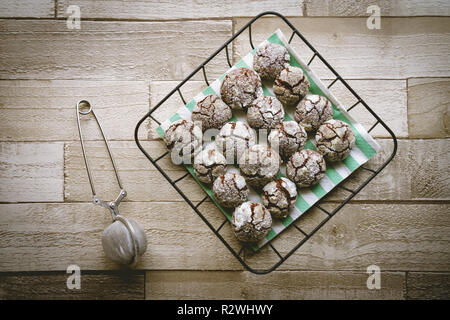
x: 365, y: 148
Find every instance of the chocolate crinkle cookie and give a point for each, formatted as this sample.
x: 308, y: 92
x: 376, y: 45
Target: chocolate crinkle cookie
x: 211, y: 112
x: 305, y: 168
x: 240, y: 88
x: 230, y: 190
x: 287, y: 138
x: 279, y: 197
x: 335, y: 139
x: 234, y: 138
x: 259, y: 165
x: 184, y: 139
x: 312, y: 111
x: 251, y: 222
x: 291, y: 86
x: 265, y: 113
x: 209, y: 164
x: 270, y: 59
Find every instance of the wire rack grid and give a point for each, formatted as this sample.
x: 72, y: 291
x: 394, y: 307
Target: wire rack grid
x: 241, y: 252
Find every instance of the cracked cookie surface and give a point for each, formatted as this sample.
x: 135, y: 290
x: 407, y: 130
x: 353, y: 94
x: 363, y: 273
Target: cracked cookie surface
x: 305, y: 168
x: 230, y: 190
x: 233, y: 139
x: 265, y: 113
x: 312, y: 111
x: 291, y: 86
x: 270, y: 59
x: 184, y: 139
x: 287, y: 138
x: 335, y: 140
x: 279, y: 197
x: 251, y: 222
x: 240, y: 88
x: 259, y: 165
x: 211, y: 112
x: 209, y: 164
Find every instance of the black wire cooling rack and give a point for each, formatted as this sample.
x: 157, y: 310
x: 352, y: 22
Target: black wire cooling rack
x: 301, y: 236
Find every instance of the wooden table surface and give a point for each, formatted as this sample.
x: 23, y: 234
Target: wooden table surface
x: 125, y: 57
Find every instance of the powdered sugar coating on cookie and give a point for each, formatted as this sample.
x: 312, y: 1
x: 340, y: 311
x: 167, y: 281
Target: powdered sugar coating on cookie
x: 279, y: 197
x: 240, y: 88
x: 312, y: 111
x: 259, y: 165
x: 251, y: 222
x: 184, y: 139
x: 305, y: 168
x: 287, y: 138
x: 230, y: 190
x: 209, y: 164
x: 265, y: 113
x: 291, y: 86
x: 234, y: 138
x: 335, y: 139
x: 270, y: 59
x: 211, y: 112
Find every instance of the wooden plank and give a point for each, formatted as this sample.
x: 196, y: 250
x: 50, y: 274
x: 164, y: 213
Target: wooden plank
x: 109, y: 50
x: 393, y: 236
x: 429, y: 108
x: 27, y: 9
x: 293, y: 285
x: 347, y: 8
x: 46, y: 237
x: 118, y: 285
x: 172, y: 9
x: 359, y: 53
x: 428, y: 285
x: 386, y: 97
x: 139, y: 177
x: 419, y: 171
x: 44, y: 110
x: 31, y: 172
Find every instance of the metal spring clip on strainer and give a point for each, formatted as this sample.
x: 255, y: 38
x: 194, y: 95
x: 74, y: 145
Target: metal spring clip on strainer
x: 124, y: 240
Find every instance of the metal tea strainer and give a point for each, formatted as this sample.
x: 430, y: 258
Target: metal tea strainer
x: 124, y: 240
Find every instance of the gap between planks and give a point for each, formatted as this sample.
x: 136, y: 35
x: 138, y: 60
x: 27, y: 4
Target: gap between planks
x: 430, y: 202
x: 226, y: 18
x: 149, y: 140
x: 115, y: 271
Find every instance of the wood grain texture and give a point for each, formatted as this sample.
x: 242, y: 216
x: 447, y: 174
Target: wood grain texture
x: 388, y: 8
x: 44, y: 110
x: 109, y: 50
x: 429, y: 108
x: 45, y: 237
x: 118, y: 285
x: 278, y: 285
x: 419, y: 171
x: 27, y: 9
x: 173, y: 9
x: 386, y: 97
x: 139, y: 177
x: 402, y: 48
x: 31, y: 172
x: 393, y: 236
x: 428, y: 285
